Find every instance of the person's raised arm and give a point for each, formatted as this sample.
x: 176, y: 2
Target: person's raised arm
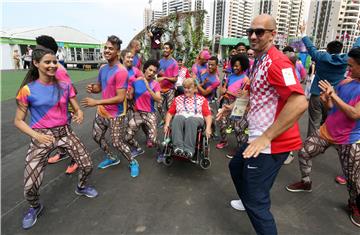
x: 119, y: 98
x: 155, y: 95
x: 352, y: 112
x: 312, y: 50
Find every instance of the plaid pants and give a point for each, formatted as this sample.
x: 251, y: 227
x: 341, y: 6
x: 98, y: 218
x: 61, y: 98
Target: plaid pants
x: 117, y: 128
x: 349, y: 155
x: 37, y: 157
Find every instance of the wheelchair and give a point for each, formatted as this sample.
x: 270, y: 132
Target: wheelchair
x: 200, y: 157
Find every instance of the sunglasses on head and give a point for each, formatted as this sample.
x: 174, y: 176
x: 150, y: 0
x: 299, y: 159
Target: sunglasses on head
x: 258, y: 32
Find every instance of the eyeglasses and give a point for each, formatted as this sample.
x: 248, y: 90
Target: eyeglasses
x: 258, y: 32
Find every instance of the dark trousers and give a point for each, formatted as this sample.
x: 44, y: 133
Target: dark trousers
x: 155, y: 54
x: 317, y: 114
x: 253, y: 179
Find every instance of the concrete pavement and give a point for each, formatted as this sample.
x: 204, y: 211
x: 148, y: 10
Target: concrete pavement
x: 181, y: 199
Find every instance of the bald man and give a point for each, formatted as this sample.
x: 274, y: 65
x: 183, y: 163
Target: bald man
x: 276, y: 103
x: 135, y: 47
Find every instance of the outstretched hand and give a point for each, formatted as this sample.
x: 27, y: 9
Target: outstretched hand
x: 326, y: 87
x: 256, y: 146
x: 78, y: 117
x: 225, y: 110
x: 88, y: 102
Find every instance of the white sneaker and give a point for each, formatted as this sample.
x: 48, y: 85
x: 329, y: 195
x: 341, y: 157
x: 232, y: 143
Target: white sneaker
x: 237, y: 205
x: 289, y: 159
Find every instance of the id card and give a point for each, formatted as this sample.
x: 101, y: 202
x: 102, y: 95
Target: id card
x: 240, y: 106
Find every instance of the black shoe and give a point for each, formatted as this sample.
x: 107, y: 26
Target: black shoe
x: 188, y: 154
x: 178, y: 151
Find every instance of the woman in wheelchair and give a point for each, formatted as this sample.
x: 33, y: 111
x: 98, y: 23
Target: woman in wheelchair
x: 189, y: 111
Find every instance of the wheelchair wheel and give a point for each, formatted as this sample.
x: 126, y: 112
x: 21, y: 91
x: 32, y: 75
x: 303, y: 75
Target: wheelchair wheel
x: 205, y: 163
x: 168, y: 161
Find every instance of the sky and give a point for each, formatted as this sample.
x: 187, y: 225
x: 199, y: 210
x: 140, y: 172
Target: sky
x: 97, y: 18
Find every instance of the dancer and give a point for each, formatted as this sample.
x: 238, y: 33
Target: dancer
x: 47, y: 100
x: 111, y: 109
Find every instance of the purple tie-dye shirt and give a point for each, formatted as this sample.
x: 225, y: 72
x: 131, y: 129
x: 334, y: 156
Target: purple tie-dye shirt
x: 339, y: 128
x: 112, y: 79
x: 48, y: 103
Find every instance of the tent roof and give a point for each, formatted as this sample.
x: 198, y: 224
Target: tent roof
x: 233, y: 41
x: 59, y: 33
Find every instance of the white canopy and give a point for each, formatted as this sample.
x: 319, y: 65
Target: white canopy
x: 60, y: 33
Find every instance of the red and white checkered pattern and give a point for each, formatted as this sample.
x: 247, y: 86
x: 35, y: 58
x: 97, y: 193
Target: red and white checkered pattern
x: 189, y: 102
x: 263, y: 100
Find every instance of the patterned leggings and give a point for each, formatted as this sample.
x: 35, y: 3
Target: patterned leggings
x: 239, y: 124
x: 240, y: 127
x: 225, y: 121
x: 349, y: 155
x: 37, y: 156
x: 117, y: 128
x: 145, y: 119
x: 167, y: 98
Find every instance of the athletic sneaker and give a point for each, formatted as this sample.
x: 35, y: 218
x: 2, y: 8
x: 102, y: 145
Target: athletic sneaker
x: 72, y: 168
x: 57, y: 158
x: 178, y: 151
x: 134, y: 168
x: 149, y: 144
x: 340, y: 179
x: 354, y: 214
x: 160, y: 158
x: 229, y: 130
x: 230, y: 155
x: 299, y: 187
x: 289, y: 159
x: 237, y: 205
x: 108, y: 162
x: 188, y: 154
x: 31, y: 215
x: 137, y: 152
x: 222, y: 144
x: 86, y: 191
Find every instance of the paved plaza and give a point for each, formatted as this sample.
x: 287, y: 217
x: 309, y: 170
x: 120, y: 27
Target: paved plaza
x: 180, y: 199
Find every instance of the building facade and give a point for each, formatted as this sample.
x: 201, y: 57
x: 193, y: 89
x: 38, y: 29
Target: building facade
x: 172, y: 6
x: 334, y: 20
x: 151, y: 15
x: 231, y: 18
x: 288, y: 14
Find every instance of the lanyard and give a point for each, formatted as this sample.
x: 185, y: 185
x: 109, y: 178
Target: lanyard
x: 195, y: 104
x: 256, y: 62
